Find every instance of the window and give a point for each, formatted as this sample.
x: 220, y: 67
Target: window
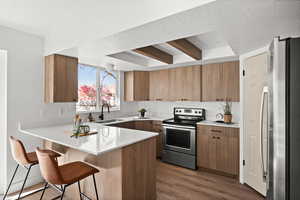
x: 95, y: 87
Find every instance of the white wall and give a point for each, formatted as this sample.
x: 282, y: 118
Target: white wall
x: 3, y: 117
x: 165, y: 109
x: 25, y: 95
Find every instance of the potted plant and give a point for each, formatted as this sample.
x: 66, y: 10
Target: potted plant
x: 142, y: 112
x: 227, y: 112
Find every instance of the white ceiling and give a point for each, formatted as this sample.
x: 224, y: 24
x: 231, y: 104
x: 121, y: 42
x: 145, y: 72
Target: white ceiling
x: 66, y: 23
x: 93, y: 29
x: 219, y: 27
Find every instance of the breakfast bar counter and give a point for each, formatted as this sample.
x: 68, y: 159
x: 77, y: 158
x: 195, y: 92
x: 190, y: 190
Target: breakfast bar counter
x: 126, y: 159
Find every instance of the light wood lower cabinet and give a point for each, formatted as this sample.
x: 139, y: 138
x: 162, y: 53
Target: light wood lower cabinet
x: 218, y: 149
x: 128, y: 173
x: 157, y: 127
x: 145, y: 125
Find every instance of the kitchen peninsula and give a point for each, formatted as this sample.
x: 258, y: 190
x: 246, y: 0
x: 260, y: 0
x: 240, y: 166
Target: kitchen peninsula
x: 126, y: 159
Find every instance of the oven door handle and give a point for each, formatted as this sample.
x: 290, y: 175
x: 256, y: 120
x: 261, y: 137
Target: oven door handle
x: 188, y: 128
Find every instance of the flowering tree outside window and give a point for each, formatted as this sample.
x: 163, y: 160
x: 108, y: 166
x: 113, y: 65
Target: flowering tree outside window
x: 108, y: 88
x: 95, y: 87
x: 87, y: 97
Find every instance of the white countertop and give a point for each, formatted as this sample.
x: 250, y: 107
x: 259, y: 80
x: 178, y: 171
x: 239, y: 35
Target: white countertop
x: 205, y: 122
x: 212, y: 123
x: 107, y: 139
x: 133, y: 118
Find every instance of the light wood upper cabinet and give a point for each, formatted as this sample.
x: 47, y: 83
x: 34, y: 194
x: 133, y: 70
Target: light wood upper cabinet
x: 159, y: 85
x: 218, y: 149
x: 212, y: 82
x: 192, y: 88
x: 220, y: 81
x: 185, y: 84
x: 136, y: 86
x: 61, y: 79
x: 175, y: 84
x: 231, y: 80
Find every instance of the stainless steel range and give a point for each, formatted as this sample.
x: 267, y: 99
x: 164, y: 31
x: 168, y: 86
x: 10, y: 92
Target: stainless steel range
x: 179, y: 137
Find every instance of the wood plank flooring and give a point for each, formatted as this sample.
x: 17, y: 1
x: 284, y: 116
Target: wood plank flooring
x: 176, y: 183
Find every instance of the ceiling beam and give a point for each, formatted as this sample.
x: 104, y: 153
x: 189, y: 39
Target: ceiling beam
x: 187, y: 47
x: 155, y: 53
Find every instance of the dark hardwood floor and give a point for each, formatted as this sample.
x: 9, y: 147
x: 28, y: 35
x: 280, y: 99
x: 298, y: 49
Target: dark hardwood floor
x: 176, y: 183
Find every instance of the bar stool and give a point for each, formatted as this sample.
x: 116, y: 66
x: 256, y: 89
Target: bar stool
x: 26, y: 160
x: 64, y: 175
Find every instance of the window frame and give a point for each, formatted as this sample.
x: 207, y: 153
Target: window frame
x: 98, y: 103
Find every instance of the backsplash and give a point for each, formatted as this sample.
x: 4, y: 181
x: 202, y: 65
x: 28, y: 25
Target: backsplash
x: 165, y: 109
x: 126, y: 109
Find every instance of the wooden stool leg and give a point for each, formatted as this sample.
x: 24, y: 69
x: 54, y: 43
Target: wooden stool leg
x: 11, y: 181
x: 95, y: 186
x: 28, y: 170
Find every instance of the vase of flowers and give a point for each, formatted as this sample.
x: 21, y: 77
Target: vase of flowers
x: 142, y: 112
x: 227, y: 112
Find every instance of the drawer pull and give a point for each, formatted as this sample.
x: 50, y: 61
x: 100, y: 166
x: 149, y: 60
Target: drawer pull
x: 216, y: 131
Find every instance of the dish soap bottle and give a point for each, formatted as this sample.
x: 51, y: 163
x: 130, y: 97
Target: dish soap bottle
x: 91, y: 118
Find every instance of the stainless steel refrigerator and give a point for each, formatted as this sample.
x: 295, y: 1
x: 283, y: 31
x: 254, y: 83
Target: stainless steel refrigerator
x: 281, y: 151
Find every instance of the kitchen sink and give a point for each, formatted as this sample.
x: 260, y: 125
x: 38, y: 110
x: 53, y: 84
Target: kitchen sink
x: 108, y: 121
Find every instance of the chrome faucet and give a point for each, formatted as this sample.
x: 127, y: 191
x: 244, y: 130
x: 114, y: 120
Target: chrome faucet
x: 101, y: 116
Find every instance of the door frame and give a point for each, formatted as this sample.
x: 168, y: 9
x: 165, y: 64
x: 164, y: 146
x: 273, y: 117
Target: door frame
x: 3, y: 120
x: 242, y: 58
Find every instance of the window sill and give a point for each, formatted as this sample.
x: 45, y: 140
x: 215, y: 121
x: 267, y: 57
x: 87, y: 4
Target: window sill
x: 99, y: 111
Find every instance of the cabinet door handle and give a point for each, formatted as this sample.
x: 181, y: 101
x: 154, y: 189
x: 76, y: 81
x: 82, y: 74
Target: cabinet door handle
x: 216, y: 131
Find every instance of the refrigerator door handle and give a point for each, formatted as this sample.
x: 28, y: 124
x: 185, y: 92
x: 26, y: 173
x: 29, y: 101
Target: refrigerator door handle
x: 262, y: 105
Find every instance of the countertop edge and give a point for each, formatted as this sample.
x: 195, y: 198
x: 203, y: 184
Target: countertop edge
x: 25, y: 131
x: 212, y: 123
x: 205, y: 122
